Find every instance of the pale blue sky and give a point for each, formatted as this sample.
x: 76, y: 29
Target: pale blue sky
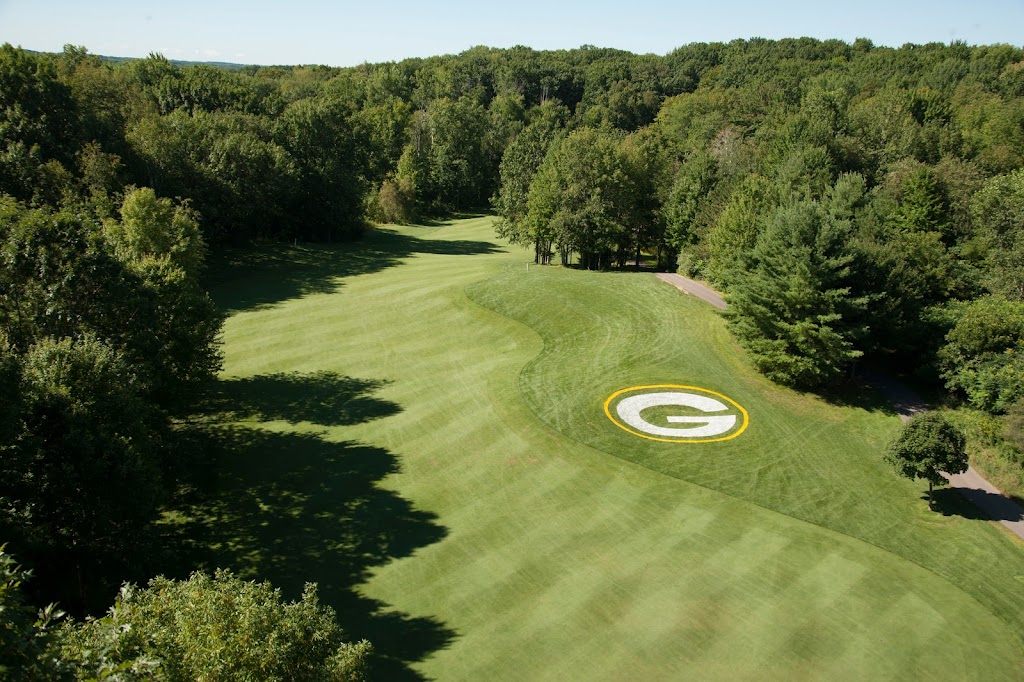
x: 347, y: 33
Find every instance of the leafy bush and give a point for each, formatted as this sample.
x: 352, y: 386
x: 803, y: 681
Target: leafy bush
x: 23, y: 634
x: 213, y: 628
x: 691, y: 265
x: 980, y: 358
x: 397, y: 200
x: 1013, y: 430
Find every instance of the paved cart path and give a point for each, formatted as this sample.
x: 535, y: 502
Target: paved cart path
x: 907, y: 402
x: 694, y: 288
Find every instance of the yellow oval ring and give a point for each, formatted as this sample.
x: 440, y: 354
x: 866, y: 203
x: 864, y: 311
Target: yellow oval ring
x: 613, y: 396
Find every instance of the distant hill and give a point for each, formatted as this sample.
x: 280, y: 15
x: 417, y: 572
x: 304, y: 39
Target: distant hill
x: 227, y: 66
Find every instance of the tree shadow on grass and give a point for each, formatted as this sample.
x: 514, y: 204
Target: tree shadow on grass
x: 294, y: 508
x: 975, y: 504
x: 323, y: 398
x: 859, y: 393
x: 265, y: 274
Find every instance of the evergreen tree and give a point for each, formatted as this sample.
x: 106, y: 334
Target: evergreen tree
x: 793, y: 308
x: 922, y: 207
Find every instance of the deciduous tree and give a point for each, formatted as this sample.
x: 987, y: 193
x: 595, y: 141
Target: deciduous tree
x: 215, y: 627
x: 981, y: 357
x: 152, y: 227
x: 927, y: 446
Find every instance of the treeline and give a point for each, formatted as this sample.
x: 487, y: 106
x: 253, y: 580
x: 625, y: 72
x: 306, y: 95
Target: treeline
x: 105, y: 338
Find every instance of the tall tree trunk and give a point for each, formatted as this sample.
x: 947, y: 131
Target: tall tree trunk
x: 930, y: 508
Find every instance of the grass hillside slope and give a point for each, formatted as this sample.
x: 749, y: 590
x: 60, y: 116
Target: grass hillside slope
x: 415, y: 423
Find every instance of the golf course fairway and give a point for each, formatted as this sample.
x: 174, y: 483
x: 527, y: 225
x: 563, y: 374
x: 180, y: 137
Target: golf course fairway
x: 417, y: 423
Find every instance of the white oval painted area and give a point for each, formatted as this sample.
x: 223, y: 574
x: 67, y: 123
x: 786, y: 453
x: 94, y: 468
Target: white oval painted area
x: 718, y: 417
x: 705, y: 427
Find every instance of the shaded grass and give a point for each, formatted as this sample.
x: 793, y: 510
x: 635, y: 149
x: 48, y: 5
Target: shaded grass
x: 294, y: 507
x: 251, y: 277
x: 477, y: 517
x: 320, y: 397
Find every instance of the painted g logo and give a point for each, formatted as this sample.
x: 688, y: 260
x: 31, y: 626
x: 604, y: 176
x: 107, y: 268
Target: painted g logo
x: 646, y: 411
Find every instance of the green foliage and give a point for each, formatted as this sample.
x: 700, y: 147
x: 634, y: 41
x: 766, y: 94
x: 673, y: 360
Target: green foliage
x: 693, y: 120
x: 179, y: 352
x: 910, y: 273
x: 35, y: 126
x: 24, y: 636
x: 156, y: 228
x: 384, y: 127
x: 519, y: 164
x: 61, y: 281
x: 692, y: 183
x: 397, y: 201
x: 1013, y: 429
x: 95, y: 355
x: 457, y: 162
x: 981, y: 358
x: 922, y: 208
x: 805, y: 172
x: 998, y: 212
x: 201, y: 87
x: 884, y: 129
x: 219, y: 627
x: 586, y: 196
x: 794, y: 309
x: 926, y: 446
x: 324, y: 141
x: 57, y: 279
x: 735, y: 232
x: 81, y: 481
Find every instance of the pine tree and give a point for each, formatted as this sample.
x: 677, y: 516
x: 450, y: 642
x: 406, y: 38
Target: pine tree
x: 922, y: 206
x: 793, y: 307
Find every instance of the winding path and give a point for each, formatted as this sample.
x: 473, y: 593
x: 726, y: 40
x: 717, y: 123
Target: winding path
x: 907, y: 402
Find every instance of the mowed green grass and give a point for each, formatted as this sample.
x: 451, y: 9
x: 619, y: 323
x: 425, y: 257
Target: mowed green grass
x: 542, y: 542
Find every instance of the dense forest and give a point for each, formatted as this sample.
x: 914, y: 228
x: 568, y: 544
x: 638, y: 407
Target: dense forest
x: 856, y: 204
